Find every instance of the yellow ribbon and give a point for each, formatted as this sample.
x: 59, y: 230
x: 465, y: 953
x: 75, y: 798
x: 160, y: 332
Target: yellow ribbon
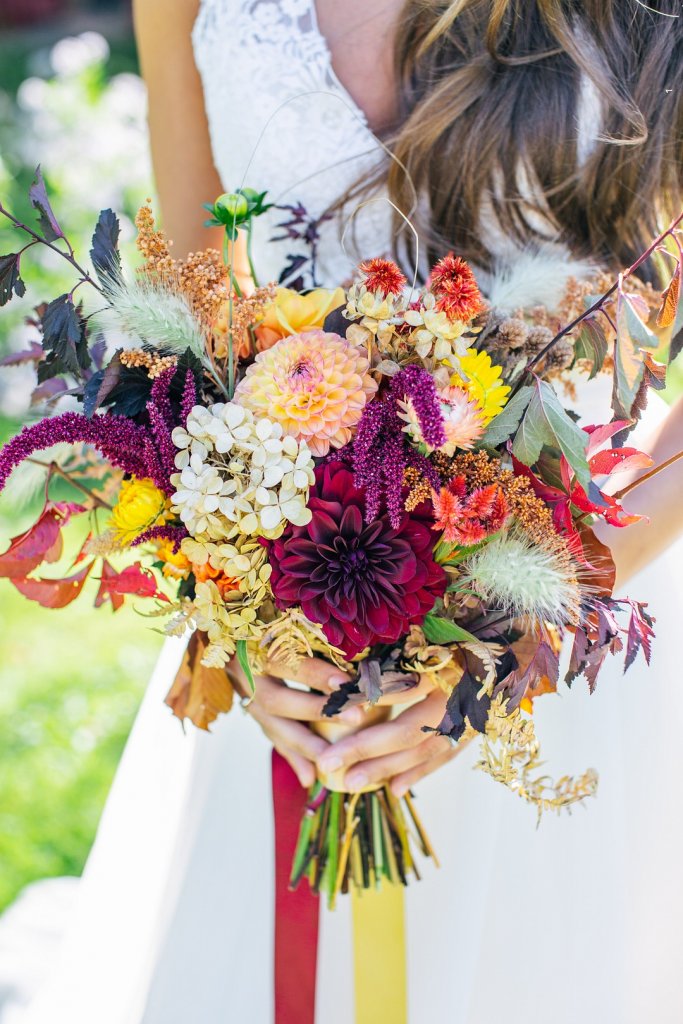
x: 379, y: 954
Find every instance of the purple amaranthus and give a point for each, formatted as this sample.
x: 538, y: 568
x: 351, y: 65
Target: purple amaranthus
x: 124, y: 443
x: 382, y: 451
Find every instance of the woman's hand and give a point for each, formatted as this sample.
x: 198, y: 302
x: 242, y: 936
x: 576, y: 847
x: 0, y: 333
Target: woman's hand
x: 282, y: 712
x: 398, y: 750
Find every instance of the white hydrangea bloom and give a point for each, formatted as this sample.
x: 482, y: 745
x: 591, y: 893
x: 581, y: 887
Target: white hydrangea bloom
x: 239, y: 475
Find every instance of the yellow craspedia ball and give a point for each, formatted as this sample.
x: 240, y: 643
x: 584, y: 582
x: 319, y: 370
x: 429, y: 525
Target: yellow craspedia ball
x: 141, y: 505
x: 482, y: 381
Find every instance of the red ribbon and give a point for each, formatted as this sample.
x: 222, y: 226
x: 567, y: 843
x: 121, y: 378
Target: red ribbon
x: 296, y: 913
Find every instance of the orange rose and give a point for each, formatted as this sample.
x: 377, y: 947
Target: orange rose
x: 293, y: 313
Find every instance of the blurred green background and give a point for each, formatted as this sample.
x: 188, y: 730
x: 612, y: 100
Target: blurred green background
x: 70, y: 681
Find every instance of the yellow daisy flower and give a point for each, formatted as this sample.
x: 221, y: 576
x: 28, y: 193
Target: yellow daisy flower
x: 482, y: 382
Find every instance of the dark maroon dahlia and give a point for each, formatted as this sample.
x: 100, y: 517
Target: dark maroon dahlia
x: 364, y: 583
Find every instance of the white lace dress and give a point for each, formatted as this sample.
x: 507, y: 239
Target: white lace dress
x: 576, y: 921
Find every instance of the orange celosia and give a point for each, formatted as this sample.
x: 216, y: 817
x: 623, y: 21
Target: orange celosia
x: 468, y: 519
x: 382, y: 276
x: 455, y: 288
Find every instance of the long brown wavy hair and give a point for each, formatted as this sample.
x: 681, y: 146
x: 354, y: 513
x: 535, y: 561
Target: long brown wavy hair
x: 492, y: 93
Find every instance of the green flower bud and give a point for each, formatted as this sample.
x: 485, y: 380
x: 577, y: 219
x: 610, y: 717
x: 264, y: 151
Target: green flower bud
x: 231, y: 208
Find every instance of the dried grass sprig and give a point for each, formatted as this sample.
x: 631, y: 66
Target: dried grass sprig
x: 511, y: 755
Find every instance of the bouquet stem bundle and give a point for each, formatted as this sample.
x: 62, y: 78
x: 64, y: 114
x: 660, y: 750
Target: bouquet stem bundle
x: 359, y: 840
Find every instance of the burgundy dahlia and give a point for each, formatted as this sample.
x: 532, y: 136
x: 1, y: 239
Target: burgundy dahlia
x: 364, y: 583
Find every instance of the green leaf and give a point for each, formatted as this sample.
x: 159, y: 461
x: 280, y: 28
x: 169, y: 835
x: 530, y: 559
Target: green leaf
x: 442, y: 631
x: 628, y: 359
x: 243, y: 658
x: 639, y: 331
x: 10, y: 280
x: 591, y: 344
x: 506, y: 422
x: 545, y: 422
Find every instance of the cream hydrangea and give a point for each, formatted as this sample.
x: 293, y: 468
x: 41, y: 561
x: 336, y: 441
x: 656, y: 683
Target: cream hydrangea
x: 244, y: 560
x: 224, y: 621
x: 239, y: 475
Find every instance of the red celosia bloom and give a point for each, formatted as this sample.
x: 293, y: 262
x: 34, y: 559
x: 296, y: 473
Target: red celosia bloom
x: 468, y: 519
x: 382, y: 276
x: 364, y: 583
x: 455, y: 288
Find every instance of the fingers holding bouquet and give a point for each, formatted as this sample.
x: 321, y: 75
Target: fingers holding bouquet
x: 398, y: 749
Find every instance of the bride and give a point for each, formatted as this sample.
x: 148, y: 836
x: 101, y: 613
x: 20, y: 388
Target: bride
x: 541, y: 138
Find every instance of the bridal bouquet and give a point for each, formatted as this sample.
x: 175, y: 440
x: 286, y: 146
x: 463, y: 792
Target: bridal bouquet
x: 382, y: 474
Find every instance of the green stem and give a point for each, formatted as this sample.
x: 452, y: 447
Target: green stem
x: 333, y: 843
x: 53, y: 469
x: 229, y: 256
x: 300, y: 854
x: 252, y: 269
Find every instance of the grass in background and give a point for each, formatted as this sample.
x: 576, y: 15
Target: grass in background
x: 70, y: 680
x: 70, y: 685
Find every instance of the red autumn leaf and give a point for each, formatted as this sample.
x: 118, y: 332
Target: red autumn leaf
x: 42, y: 542
x: 53, y: 593
x: 600, y: 433
x: 611, y: 511
x: 105, y: 594
x: 640, y: 634
x: 134, y: 580
x: 83, y: 552
x: 543, y: 491
x: 613, y: 460
x: 537, y: 670
x: 598, y: 557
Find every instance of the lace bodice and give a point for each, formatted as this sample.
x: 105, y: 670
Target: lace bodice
x: 281, y: 120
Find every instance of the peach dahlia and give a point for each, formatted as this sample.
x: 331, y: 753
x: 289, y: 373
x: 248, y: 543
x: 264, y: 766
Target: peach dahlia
x: 315, y: 385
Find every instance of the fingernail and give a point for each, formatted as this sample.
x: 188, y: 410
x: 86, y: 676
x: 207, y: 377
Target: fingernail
x: 330, y: 764
x: 399, y: 791
x: 336, y: 680
x: 354, y: 716
x: 356, y: 780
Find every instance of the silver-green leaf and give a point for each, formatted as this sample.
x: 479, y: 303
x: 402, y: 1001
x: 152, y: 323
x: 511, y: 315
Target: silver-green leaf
x: 545, y: 422
x: 506, y: 422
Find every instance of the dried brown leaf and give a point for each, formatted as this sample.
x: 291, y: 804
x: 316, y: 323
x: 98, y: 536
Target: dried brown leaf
x: 667, y: 311
x: 199, y: 693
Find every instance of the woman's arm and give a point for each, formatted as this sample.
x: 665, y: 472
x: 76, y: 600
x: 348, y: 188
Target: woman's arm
x: 181, y: 148
x: 660, y: 499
